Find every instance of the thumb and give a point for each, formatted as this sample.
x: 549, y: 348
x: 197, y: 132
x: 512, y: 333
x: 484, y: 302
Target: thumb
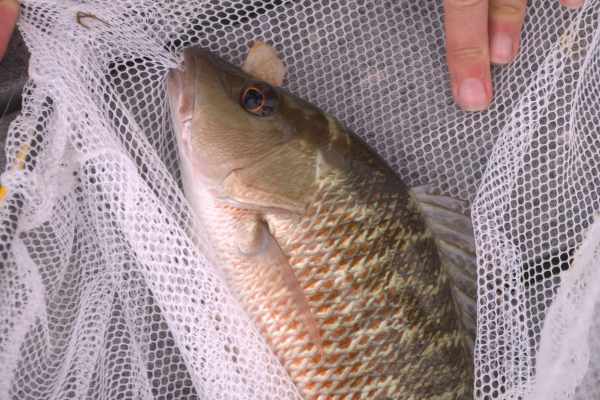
x: 9, y: 10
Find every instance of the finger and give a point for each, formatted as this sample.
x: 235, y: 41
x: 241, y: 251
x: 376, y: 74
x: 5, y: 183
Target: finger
x: 572, y: 3
x: 467, y: 49
x: 9, y: 10
x: 506, y: 21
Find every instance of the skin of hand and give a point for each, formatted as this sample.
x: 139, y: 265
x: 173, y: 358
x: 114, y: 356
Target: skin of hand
x: 478, y: 33
x: 9, y: 11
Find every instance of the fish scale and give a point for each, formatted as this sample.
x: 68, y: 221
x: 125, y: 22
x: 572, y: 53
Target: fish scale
x: 370, y: 297
x: 348, y: 275
x: 368, y: 313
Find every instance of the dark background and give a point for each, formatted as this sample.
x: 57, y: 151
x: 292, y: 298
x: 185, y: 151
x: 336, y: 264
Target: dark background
x: 13, y: 74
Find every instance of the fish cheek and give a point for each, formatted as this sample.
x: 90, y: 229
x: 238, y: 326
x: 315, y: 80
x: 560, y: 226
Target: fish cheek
x: 218, y: 141
x: 203, y: 151
x: 284, y: 179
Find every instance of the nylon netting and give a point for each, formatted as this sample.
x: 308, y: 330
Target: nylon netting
x: 105, y: 293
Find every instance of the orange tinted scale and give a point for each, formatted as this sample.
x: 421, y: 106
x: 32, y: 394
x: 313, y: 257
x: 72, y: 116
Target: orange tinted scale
x: 322, y: 232
x: 316, y: 358
x: 295, y: 247
x: 352, y: 355
x: 375, y: 324
x: 333, y: 358
x: 317, y: 296
x: 355, y: 261
x: 340, y: 331
x: 294, y: 325
x: 330, y: 242
x: 351, y: 251
x: 322, y: 309
x: 345, y: 343
x: 316, y: 259
x: 339, y: 230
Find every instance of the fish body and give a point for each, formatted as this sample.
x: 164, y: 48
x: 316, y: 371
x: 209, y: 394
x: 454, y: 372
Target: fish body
x: 326, y: 248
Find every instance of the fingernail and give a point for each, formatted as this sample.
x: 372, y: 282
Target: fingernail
x: 471, y: 95
x: 501, y: 48
x: 572, y: 3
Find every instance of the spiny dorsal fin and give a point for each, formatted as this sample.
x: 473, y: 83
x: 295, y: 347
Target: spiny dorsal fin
x: 453, y: 232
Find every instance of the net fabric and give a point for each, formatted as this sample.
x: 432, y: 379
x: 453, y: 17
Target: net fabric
x: 105, y: 290
x: 569, y: 343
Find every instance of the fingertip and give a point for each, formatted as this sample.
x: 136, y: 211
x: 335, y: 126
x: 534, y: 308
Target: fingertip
x: 9, y: 11
x: 505, y: 24
x: 503, y: 48
x: 471, y: 79
x: 472, y: 94
x: 9, y: 7
x: 572, y: 3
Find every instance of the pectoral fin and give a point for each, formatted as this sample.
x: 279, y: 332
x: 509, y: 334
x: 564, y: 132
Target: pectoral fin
x: 269, y: 254
x: 453, y: 232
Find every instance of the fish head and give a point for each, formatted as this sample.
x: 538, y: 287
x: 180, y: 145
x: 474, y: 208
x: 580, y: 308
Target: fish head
x: 227, y: 120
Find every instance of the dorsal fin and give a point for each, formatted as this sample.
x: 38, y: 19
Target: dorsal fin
x: 453, y: 232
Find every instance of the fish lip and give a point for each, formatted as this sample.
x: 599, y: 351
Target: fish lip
x: 199, y: 66
x: 180, y: 92
x: 175, y: 77
x: 176, y: 94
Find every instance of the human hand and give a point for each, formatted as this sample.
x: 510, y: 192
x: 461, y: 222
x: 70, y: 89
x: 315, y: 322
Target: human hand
x: 9, y: 10
x: 480, y: 32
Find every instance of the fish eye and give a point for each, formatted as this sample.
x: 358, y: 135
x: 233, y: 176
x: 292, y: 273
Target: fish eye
x: 259, y: 99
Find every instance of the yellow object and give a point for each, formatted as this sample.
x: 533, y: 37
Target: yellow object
x: 3, y: 192
x: 19, y: 166
x: 21, y: 156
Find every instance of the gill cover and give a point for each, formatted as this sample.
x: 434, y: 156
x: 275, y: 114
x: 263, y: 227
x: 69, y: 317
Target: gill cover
x: 252, y: 142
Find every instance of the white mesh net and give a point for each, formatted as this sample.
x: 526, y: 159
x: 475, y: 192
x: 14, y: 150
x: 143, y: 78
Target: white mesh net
x: 104, y: 294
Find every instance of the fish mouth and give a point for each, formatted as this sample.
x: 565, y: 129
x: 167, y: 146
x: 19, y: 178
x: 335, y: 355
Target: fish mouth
x: 180, y: 102
x: 199, y: 75
x: 197, y: 62
x: 175, y: 78
x: 180, y: 81
x: 181, y: 87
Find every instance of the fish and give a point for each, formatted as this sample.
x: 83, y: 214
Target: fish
x: 362, y: 287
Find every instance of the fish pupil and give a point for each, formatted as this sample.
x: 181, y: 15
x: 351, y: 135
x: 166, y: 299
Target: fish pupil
x: 253, y: 100
x: 259, y: 99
